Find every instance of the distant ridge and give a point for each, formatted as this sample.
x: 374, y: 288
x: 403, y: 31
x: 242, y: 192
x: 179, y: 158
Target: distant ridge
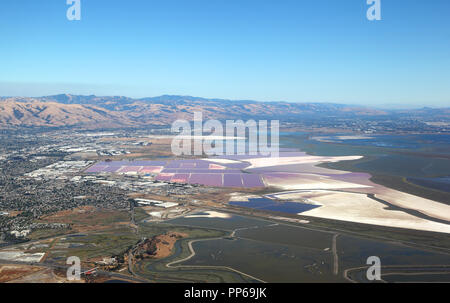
x: 119, y: 111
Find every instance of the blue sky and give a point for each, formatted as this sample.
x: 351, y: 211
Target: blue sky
x: 292, y: 50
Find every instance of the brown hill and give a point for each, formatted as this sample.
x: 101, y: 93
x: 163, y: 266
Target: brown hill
x: 51, y: 114
x: 116, y: 111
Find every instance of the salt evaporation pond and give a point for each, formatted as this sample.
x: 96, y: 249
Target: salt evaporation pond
x: 271, y: 205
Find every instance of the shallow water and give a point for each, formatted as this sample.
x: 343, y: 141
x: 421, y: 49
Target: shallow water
x: 271, y: 205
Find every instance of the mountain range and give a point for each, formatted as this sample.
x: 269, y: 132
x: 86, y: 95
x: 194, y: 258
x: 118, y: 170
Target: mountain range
x: 117, y: 111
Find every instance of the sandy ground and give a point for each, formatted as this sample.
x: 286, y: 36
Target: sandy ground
x: 12, y: 272
x: 344, y: 194
x: 428, y: 207
x: 196, y: 137
x: 356, y: 207
x: 239, y: 197
x: 17, y: 255
x: 278, y: 161
x: 157, y: 214
x: 353, y: 137
x: 328, y: 139
x: 44, y: 276
x: 308, y: 181
x: 210, y: 214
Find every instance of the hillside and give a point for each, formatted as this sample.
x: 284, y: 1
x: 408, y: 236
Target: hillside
x: 115, y: 111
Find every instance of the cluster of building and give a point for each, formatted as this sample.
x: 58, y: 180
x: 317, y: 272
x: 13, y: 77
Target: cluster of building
x: 61, y: 170
x: 47, y: 176
x: 155, y: 203
x: 375, y: 125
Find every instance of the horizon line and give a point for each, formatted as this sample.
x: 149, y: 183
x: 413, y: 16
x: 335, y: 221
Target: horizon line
x: 392, y: 106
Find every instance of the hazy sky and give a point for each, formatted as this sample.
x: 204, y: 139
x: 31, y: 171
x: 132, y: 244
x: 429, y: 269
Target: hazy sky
x: 300, y: 51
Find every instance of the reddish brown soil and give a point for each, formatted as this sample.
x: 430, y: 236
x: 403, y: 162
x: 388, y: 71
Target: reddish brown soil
x: 12, y: 272
x: 160, y: 246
